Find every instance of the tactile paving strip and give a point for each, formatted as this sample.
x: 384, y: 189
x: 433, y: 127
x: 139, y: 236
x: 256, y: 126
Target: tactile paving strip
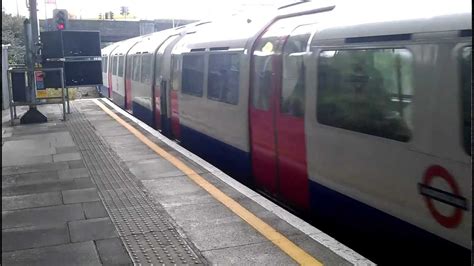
x: 144, y: 226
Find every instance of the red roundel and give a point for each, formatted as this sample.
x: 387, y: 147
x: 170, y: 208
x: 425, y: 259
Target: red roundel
x: 452, y: 198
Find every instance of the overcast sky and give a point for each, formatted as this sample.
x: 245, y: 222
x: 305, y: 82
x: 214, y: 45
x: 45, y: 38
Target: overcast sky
x: 143, y: 9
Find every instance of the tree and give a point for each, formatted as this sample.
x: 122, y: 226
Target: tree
x: 13, y: 34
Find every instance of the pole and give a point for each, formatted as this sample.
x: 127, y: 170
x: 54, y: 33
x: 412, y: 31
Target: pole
x: 32, y: 45
x: 29, y: 59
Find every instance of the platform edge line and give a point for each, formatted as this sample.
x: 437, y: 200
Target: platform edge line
x: 316, y: 234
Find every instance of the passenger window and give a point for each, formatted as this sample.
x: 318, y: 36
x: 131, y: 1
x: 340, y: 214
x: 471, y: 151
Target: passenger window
x: 368, y: 91
x: 136, y: 68
x: 193, y: 74
x: 293, y: 81
x: 114, y: 65
x: 147, y: 60
x: 121, y: 61
x: 466, y: 85
x: 223, y: 78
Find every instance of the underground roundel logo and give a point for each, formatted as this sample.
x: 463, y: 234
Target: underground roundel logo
x: 452, y: 198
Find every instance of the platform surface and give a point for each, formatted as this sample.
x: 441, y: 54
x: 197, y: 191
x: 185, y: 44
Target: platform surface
x: 102, y: 188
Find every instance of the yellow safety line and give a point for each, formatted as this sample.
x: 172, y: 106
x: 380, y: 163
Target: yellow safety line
x: 295, y: 252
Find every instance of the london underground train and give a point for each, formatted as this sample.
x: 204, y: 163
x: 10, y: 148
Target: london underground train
x: 357, y: 113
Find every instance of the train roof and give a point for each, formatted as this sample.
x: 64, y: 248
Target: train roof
x: 231, y: 33
x: 149, y: 43
x: 108, y: 49
x: 124, y: 46
x: 375, y: 18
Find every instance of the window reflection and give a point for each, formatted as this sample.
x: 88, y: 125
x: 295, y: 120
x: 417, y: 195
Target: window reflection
x: 193, y: 74
x: 223, y: 78
x: 466, y: 85
x: 368, y: 91
x: 293, y: 82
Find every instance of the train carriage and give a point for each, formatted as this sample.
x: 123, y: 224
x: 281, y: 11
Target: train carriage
x: 106, y: 89
x: 120, y: 79
x: 356, y: 113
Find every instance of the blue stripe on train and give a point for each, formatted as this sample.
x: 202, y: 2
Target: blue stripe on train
x: 143, y: 113
x: 229, y: 159
x: 351, y: 221
x: 103, y: 90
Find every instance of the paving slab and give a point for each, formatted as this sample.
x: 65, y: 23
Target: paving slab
x: 113, y: 252
x: 73, y: 173
x: 42, y: 216
x: 66, y: 149
x: 147, y: 169
x: 80, y: 195
x: 22, y: 159
x: 47, y: 186
x: 265, y: 253
x: 36, y: 168
x: 94, y: 209
x: 83, y: 253
x: 176, y: 191
x: 31, y: 201
x: 34, y: 236
x: 66, y: 157
x: 223, y: 234
x: 75, y: 164
x: 92, y: 229
x: 35, y: 177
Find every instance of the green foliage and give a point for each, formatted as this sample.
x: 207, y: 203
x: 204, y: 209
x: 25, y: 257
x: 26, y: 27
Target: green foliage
x: 12, y: 33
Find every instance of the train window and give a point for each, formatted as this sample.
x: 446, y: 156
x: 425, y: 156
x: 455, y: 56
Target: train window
x: 114, y: 65
x: 263, y: 72
x: 466, y: 85
x: 147, y: 60
x: 128, y: 66
x: 121, y: 62
x: 193, y: 74
x: 136, y: 68
x: 293, y: 81
x: 223, y: 78
x: 175, y: 66
x: 104, y: 64
x: 368, y: 91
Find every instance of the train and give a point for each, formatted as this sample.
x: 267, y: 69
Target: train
x: 355, y: 112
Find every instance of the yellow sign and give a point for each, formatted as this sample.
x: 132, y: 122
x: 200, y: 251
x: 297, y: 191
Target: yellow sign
x: 42, y: 93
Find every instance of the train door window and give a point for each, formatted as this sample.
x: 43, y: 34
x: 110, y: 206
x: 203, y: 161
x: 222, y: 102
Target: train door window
x: 114, y: 65
x: 466, y: 86
x: 223, y: 78
x: 147, y: 66
x: 128, y: 67
x: 293, y: 81
x: 263, y: 72
x: 121, y: 62
x: 174, y: 72
x: 193, y: 74
x: 104, y: 64
x: 367, y: 90
x: 136, y: 68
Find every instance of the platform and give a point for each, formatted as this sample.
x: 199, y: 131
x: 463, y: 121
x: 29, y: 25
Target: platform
x: 104, y: 188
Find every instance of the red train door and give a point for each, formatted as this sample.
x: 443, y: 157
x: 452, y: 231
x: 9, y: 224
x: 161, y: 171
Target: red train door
x: 277, y: 116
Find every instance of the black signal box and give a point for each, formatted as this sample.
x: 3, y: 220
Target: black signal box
x: 78, y: 52
x: 59, y: 44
